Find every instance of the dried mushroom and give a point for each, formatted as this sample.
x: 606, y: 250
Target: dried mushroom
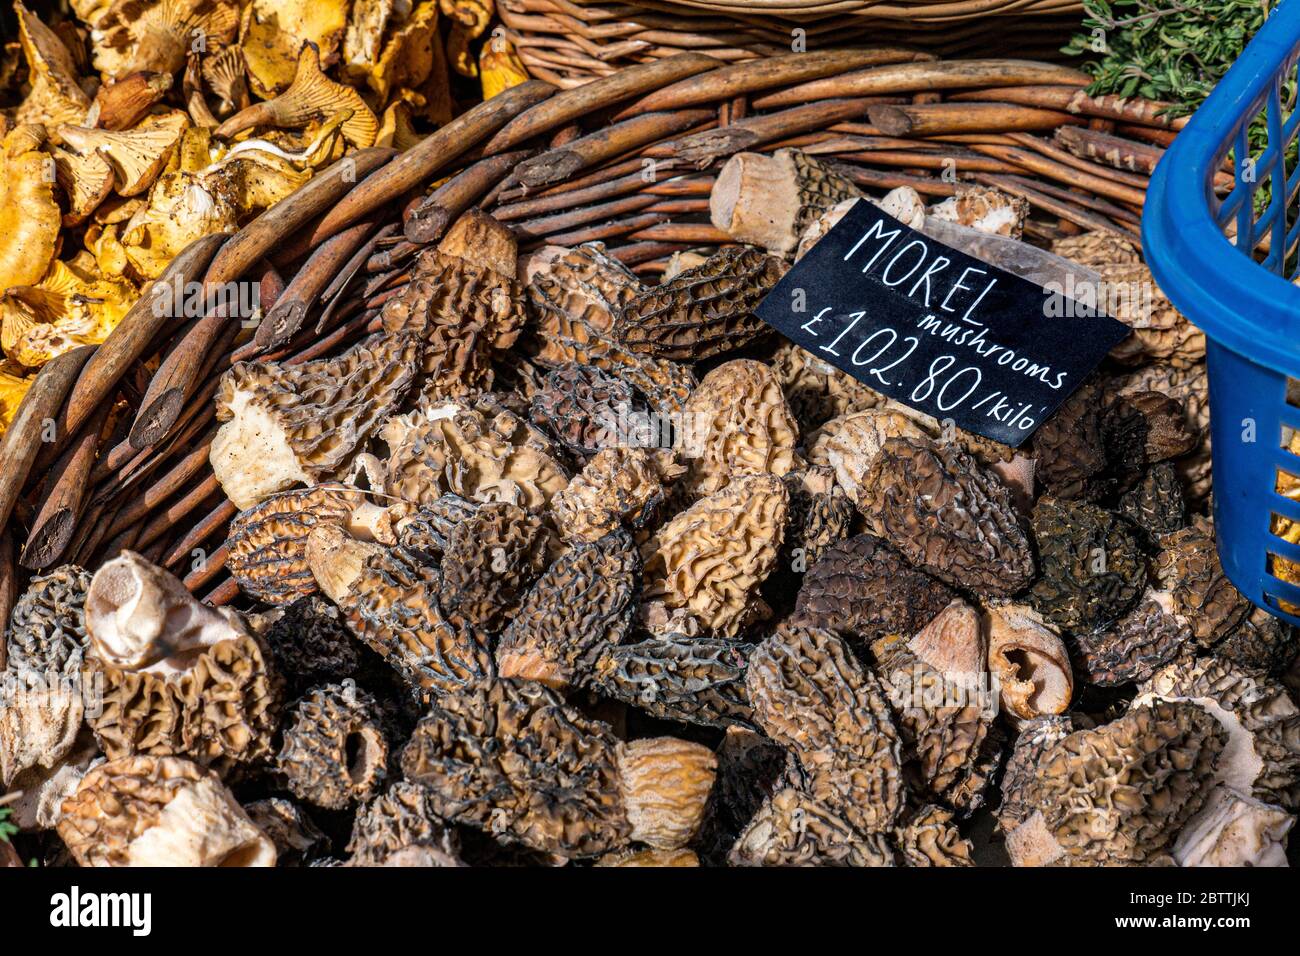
x: 310, y: 644
x: 398, y: 820
x: 295, y: 836
x: 55, y: 96
x: 267, y: 544
x: 650, y: 858
x: 179, y: 677
x: 574, y: 296
x: 1118, y: 794
x: 464, y: 302
x: 47, y: 627
x: 738, y: 424
x: 137, y: 155
x: 510, y: 758
x: 947, y: 515
x: 1260, y: 720
x: 618, y: 487
x: 821, y: 515
x: 390, y: 601
x: 987, y: 210
x: 812, y: 696
x: 931, y: 839
x: 334, y: 752
x: 1069, y: 448
x: 1156, y: 504
x: 696, y: 680
x: 28, y: 209
x: 848, y: 445
x: 709, y: 560
x: 1188, y: 569
x: 1091, y: 568
x: 863, y: 589
x: 1262, y: 643
x: 1135, y: 646
x: 272, y: 32
x: 666, y: 784
x: 770, y: 201
x: 302, y: 424
x: 1030, y: 661
x: 817, y: 391
x: 490, y: 560
x: 702, y: 312
x: 582, y: 406
x: 796, y: 829
x: 39, y: 723
x: 582, y: 605
x: 159, y: 811
x: 453, y: 448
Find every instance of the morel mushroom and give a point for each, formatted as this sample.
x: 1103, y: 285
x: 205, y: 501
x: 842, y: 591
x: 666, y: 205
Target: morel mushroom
x: 400, y: 820
x: 1234, y: 830
x: 702, y: 312
x: 302, y: 424
x: 696, y: 680
x: 491, y: 559
x: 1135, y: 646
x: 811, y: 695
x: 1145, y: 777
x: 1189, y: 569
x: 47, y: 628
x: 1260, y: 721
x: 931, y: 839
x: 947, y: 515
x: 817, y: 391
x: 709, y: 560
x: 582, y: 406
x: 796, y: 829
x: 334, y: 752
x: 390, y: 601
x: 311, y: 645
x: 666, y: 784
x: 737, y: 424
x: 1091, y: 569
x: 619, y: 487
x: 581, y: 606
x: 848, y: 445
x: 159, y: 811
x: 770, y: 201
x: 453, y: 448
x: 285, y: 823
x: 862, y: 589
x: 179, y: 677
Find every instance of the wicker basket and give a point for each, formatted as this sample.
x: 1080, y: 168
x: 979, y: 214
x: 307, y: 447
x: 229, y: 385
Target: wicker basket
x: 568, y: 42
x: 1093, y: 175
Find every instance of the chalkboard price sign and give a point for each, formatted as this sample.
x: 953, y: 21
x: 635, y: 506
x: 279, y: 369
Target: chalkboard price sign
x: 939, y: 330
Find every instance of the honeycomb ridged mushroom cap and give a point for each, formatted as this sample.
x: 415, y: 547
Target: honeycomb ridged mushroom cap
x: 137, y: 155
x: 55, y: 96
x: 311, y: 97
x: 303, y: 424
x: 29, y: 213
x: 141, y: 618
x: 1030, y: 662
x: 272, y: 34
x: 850, y: 443
x: 159, y: 811
x: 133, y: 37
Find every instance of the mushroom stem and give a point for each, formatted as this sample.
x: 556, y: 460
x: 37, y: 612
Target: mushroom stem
x: 139, y: 617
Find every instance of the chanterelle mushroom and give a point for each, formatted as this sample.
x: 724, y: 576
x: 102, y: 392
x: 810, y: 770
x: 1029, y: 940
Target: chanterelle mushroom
x: 137, y: 155
x: 55, y: 96
x: 302, y: 424
x: 159, y: 811
x: 157, y: 36
x: 29, y: 214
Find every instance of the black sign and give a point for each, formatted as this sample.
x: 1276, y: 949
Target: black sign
x: 941, y: 331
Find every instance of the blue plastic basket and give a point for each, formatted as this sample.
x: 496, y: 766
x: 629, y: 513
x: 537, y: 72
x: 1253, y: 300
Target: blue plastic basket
x: 1242, y: 298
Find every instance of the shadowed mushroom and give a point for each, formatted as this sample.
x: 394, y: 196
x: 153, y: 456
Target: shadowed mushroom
x: 334, y: 752
x: 55, y: 96
x: 407, y: 59
x: 159, y: 811
x: 795, y: 829
x: 403, y: 819
x: 86, y: 182
x: 312, y: 97
x: 850, y: 443
x: 302, y: 424
x: 932, y: 839
x: 137, y: 155
x: 224, y: 74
